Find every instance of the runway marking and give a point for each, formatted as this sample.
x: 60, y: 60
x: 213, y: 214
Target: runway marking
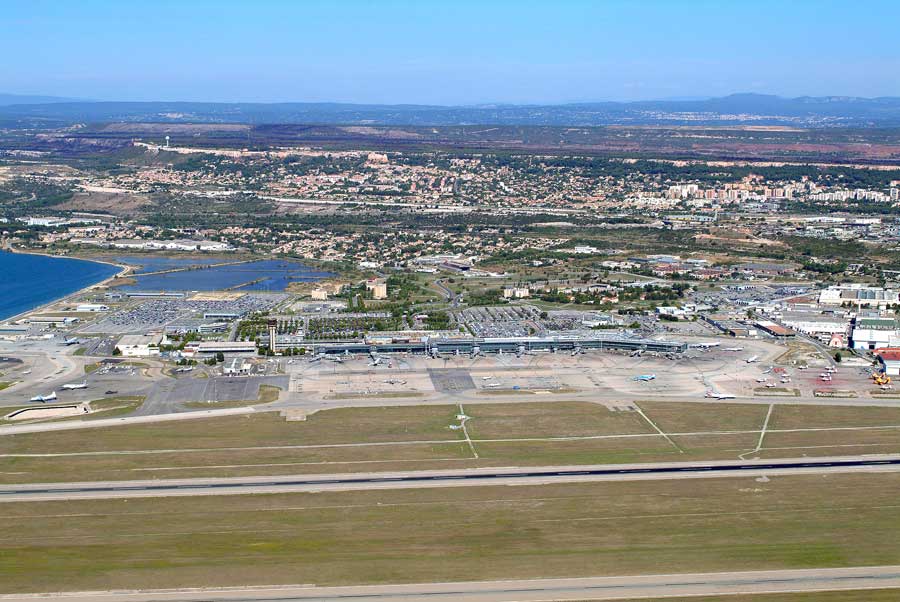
x: 164, y: 468
x: 465, y: 430
x: 452, y: 441
x: 657, y: 429
x: 535, y: 476
x: 762, y: 434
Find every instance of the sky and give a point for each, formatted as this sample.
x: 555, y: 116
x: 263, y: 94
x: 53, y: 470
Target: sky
x: 447, y: 51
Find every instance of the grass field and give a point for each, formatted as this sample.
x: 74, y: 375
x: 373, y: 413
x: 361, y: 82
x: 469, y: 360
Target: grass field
x: 449, y: 534
x: 420, y: 437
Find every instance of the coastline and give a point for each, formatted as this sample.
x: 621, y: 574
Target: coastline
x: 124, y: 270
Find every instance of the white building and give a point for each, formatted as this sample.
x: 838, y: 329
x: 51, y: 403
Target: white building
x: 378, y: 288
x: 513, y: 292
x: 875, y: 333
x: 92, y: 307
x: 859, y: 295
x: 139, y: 345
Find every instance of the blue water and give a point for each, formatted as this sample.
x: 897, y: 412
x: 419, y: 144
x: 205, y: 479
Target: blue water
x: 149, y: 263
x: 27, y: 281
x: 272, y: 275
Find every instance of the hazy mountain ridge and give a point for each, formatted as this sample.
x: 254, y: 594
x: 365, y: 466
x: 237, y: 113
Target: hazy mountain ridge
x: 736, y: 109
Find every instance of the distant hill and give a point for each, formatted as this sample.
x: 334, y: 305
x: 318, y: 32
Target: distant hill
x: 736, y: 109
x: 27, y: 99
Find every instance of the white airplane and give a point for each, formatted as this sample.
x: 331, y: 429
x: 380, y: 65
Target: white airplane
x: 27, y: 372
x: 68, y: 342
x: 44, y: 398
x: 73, y: 386
x: 644, y: 378
x: 492, y: 385
x: 734, y: 349
x: 770, y: 385
x: 713, y: 395
x: 486, y: 377
x: 184, y: 369
x: 767, y: 371
x: 751, y: 359
x: 376, y: 361
x: 762, y: 380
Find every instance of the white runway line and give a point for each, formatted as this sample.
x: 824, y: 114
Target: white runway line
x: 762, y: 434
x: 657, y: 429
x: 465, y: 430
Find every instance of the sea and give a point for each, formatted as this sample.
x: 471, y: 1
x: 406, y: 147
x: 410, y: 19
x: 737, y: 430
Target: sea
x: 29, y: 281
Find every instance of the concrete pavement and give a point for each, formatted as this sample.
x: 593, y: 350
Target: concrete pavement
x: 34, y: 492
x: 590, y: 588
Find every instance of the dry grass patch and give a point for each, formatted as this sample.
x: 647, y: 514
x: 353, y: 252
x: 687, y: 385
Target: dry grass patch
x: 556, y: 419
x: 705, y: 417
x: 450, y: 534
x: 802, y: 416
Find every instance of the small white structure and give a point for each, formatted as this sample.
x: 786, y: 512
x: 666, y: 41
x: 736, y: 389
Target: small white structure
x: 139, y: 345
x: 92, y: 307
x: 237, y: 367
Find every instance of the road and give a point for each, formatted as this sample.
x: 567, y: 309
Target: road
x: 589, y: 588
x: 442, y: 478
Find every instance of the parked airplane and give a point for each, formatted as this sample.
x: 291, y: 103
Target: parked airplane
x: 644, y: 377
x: 376, y: 361
x: 492, y: 385
x: 184, y: 369
x: 70, y: 342
x: 73, y: 386
x: 734, y: 349
x: 44, y: 398
x: 753, y: 358
x: 713, y: 395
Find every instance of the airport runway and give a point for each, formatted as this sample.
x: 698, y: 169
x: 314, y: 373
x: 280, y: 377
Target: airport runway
x: 445, y: 478
x: 591, y: 588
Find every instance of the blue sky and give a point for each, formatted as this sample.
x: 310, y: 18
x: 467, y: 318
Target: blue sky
x: 447, y: 52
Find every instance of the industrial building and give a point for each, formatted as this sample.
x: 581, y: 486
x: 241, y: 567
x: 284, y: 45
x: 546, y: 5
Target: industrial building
x: 472, y: 345
x: 139, y: 345
x: 875, y: 333
x: 889, y: 358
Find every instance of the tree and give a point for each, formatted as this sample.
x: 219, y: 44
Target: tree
x: 838, y: 356
x: 220, y: 357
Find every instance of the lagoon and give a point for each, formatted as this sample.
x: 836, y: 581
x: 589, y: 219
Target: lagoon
x: 28, y: 281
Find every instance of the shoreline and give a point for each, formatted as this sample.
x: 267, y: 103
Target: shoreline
x: 124, y: 270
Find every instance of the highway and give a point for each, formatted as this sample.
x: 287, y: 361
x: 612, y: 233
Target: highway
x: 445, y: 478
x: 590, y: 588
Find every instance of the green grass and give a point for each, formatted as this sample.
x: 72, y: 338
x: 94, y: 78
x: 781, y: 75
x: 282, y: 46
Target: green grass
x: 450, y: 534
x: 504, y: 434
x: 5, y: 384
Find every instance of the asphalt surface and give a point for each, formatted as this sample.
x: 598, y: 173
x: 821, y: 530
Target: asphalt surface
x: 455, y: 478
x: 590, y: 588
